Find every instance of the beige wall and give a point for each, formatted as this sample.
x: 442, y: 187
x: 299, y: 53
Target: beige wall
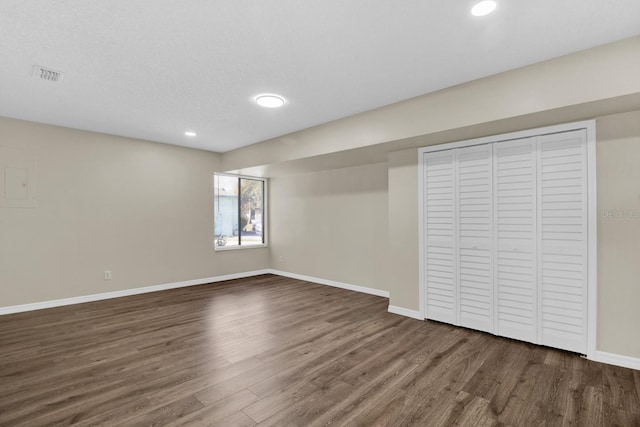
x: 403, y: 273
x: 618, y: 168
x: 140, y: 209
x: 332, y: 224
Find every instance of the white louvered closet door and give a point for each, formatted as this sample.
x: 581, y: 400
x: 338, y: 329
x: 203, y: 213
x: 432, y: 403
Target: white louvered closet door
x: 515, y: 224
x: 475, y: 241
x: 440, y: 236
x: 506, y: 241
x: 563, y: 246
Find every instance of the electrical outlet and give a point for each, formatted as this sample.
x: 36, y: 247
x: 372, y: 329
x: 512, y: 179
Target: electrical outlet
x: 107, y: 275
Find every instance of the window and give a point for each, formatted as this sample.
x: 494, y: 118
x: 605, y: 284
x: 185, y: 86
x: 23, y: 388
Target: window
x: 239, y: 211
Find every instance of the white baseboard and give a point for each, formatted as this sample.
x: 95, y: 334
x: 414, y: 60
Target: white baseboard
x: 126, y: 292
x: 616, y: 359
x: 335, y: 284
x: 155, y: 288
x: 414, y: 314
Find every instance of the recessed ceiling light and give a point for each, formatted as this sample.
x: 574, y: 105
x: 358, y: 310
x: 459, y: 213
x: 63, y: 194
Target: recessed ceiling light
x: 483, y: 8
x: 270, y: 100
x: 190, y: 133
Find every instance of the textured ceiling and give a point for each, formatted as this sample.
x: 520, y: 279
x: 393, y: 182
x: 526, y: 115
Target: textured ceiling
x: 153, y: 69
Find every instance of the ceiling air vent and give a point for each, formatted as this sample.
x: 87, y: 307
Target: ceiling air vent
x: 47, y: 74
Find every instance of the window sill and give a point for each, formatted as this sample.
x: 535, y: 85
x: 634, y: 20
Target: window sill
x: 237, y: 248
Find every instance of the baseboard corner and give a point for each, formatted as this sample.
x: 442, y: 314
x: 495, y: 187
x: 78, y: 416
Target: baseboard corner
x: 414, y: 314
x: 341, y: 285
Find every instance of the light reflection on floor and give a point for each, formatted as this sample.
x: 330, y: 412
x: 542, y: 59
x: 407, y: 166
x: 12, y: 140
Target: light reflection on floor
x: 250, y: 333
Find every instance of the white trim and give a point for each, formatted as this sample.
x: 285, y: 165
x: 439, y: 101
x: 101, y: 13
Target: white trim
x: 587, y: 124
x: 155, y: 288
x: 592, y: 243
x: 239, y: 247
x: 616, y: 359
x: 237, y: 175
x: 405, y: 312
x: 356, y: 288
x: 422, y: 276
x: 125, y: 292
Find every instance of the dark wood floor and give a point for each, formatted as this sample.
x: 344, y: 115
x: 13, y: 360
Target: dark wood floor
x: 271, y: 351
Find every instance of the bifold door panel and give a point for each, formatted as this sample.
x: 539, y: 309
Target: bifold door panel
x: 563, y: 240
x: 506, y: 238
x: 440, y: 211
x: 515, y: 223
x: 474, y: 194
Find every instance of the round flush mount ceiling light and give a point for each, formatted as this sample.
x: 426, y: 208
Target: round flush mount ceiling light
x: 269, y: 100
x: 190, y: 133
x: 483, y: 8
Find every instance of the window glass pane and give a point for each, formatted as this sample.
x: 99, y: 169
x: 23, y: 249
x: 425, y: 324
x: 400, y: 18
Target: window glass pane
x: 251, y: 224
x: 238, y: 210
x: 226, y: 210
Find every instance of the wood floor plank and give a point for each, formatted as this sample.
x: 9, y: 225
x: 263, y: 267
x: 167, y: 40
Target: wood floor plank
x: 238, y: 419
x: 395, y: 379
x: 441, y: 386
x: 620, y: 418
x: 636, y: 379
x: 620, y: 390
x: 511, y: 411
x: 166, y: 414
x: 471, y: 411
x: 277, y: 401
x: 367, y: 398
x: 306, y: 411
x: 214, y: 413
x: 273, y: 351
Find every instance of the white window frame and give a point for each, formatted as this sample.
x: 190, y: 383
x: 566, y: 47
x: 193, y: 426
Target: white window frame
x: 265, y: 216
x: 592, y: 213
